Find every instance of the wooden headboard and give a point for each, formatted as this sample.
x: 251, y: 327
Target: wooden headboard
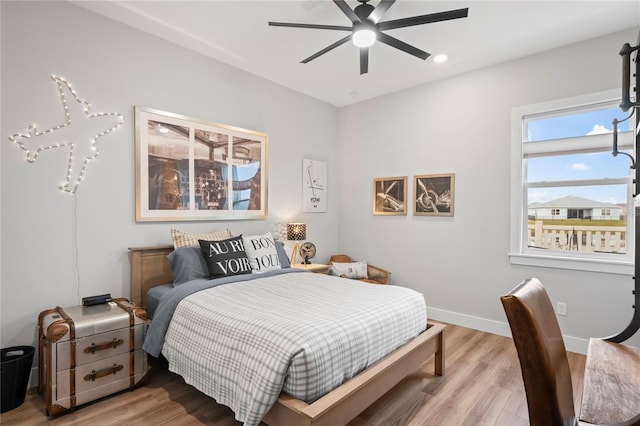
x: 149, y: 268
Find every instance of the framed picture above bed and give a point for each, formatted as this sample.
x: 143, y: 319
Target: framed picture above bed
x: 192, y: 169
x: 434, y: 195
x: 390, y: 196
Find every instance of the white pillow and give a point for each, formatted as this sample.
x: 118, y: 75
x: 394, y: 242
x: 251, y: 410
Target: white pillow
x: 355, y: 270
x: 262, y: 253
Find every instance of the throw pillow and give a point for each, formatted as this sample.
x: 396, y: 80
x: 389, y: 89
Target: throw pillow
x: 189, y: 239
x: 356, y: 270
x: 262, y: 252
x: 187, y: 263
x: 225, y: 257
x: 282, y: 255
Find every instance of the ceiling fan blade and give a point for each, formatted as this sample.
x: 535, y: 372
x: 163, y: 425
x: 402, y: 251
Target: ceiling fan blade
x: 344, y: 7
x: 424, y: 19
x: 326, y: 49
x: 364, y: 60
x: 394, y: 42
x: 380, y: 10
x: 314, y: 26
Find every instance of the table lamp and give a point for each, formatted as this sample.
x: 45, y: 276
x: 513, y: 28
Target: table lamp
x: 296, y: 232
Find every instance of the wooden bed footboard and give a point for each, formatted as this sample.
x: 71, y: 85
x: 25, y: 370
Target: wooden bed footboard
x: 150, y: 268
x: 343, y: 404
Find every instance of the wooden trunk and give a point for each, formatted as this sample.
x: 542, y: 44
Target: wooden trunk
x: 86, y: 353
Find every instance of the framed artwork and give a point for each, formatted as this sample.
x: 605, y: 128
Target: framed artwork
x: 314, y: 186
x: 390, y: 196
x: 434, y: 195
x: 191, y: 169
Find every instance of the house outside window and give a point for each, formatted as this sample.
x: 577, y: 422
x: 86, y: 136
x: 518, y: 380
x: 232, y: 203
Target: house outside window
x: 570, y: 196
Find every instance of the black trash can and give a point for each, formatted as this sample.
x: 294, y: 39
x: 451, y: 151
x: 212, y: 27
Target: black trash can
x: 14, y: 375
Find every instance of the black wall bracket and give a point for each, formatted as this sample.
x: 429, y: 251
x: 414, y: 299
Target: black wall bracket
x: 631, y: 69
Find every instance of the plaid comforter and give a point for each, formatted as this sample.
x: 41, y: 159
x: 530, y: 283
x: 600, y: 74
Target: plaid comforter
x: 243, y: 343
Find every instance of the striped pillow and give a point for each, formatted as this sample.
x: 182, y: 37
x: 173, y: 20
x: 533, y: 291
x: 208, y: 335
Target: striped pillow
x: 189, y: 239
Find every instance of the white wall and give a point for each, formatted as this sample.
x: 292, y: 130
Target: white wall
x: 463, y: 125
x: 58, y: 247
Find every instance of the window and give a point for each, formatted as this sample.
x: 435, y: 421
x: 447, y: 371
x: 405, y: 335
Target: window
x: 570, y: 195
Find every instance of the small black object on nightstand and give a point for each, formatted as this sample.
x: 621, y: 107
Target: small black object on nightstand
x: 96, y: 300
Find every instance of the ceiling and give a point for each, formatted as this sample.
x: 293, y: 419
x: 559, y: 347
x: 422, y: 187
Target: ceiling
x: 236, y: 32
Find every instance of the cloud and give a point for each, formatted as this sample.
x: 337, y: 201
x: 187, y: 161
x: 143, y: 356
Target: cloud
x: 599, y: 129
x: 538, y: 197
x: 613, y: 200
x: 579, y: 166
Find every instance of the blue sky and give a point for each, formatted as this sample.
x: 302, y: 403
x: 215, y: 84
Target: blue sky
x: 566, y: 126
x: 578, y: 166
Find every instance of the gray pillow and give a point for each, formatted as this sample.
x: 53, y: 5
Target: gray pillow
x: 282, y: 255
x: 187, y: 264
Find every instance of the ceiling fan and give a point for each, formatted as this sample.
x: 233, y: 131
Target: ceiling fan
x: 366, y: 28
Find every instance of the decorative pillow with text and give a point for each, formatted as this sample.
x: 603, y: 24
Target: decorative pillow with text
x: 262, y: 252
x: 225, y: 257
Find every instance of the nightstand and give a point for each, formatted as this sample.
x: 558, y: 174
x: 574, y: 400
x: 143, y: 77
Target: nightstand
x: 318, y: 268
x: 87, y: 352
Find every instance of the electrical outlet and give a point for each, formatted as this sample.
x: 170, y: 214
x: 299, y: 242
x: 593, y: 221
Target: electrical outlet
x: 562, y: 308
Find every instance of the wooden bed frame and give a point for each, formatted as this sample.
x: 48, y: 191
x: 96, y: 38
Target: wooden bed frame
x: 150, y: 267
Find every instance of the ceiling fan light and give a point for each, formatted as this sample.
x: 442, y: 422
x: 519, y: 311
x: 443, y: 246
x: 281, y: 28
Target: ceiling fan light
x: 364, y: 37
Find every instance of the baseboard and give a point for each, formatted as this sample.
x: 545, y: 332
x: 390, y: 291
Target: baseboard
x: 572, y: 344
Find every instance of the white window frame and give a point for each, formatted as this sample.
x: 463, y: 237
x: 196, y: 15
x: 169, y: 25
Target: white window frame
x: 518, y: 254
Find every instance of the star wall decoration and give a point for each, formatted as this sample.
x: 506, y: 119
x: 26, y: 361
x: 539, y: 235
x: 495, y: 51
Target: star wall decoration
x: 79, y: 135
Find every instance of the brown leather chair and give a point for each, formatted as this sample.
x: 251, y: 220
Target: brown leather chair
x: 375, y: 275
x: 543, y: 357
x: 542, y: 354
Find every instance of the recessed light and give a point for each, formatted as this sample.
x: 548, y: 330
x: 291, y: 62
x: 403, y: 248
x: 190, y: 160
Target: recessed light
x: 440, y: 58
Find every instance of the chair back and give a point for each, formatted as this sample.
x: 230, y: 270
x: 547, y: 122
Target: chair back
x: 543, y: 357
x: 340, y: 258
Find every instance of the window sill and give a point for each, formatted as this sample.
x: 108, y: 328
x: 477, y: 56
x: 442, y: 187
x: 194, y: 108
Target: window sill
x: 588, y: 265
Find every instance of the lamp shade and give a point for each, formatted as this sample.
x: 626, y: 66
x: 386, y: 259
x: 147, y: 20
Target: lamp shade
x: 296, y: 231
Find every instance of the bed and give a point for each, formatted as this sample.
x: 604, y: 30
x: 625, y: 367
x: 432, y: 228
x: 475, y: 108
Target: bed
x: 150, y: 269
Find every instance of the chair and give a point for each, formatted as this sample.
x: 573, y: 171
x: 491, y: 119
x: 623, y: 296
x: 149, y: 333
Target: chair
x: 543, y: 357
x: 375, y: 275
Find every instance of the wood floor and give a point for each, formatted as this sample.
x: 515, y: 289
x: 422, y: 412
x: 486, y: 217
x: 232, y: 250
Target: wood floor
x: 482, y: 386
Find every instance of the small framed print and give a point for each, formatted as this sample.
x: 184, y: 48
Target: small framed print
x: 314, y: 186
x: 390, y: 196
x: 434, y: 195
